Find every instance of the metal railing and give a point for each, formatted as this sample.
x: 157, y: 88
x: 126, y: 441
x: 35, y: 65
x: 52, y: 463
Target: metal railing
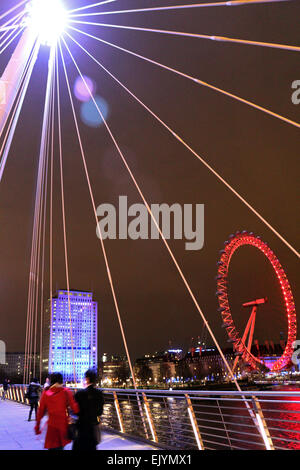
x: 212, y: 420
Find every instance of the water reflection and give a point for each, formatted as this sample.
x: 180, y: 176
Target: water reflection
x: 224, y: 423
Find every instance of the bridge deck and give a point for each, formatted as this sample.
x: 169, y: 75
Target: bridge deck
x: 16, y: 433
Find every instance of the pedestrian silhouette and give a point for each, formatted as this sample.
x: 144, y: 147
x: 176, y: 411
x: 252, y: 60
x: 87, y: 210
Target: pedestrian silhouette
x: 5, y: 387
x: 47, y: 384
x: 90, y: 401
x: 56, y: 401
x: 33, y: 394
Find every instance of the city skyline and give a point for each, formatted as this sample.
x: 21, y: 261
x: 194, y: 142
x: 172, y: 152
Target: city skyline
x: 183, y: 340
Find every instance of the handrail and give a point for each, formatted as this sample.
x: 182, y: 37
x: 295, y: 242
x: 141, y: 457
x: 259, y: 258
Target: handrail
x: 201, y: 419
x: 206, y: 392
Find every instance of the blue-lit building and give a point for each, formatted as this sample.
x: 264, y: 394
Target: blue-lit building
x: 71, y: 339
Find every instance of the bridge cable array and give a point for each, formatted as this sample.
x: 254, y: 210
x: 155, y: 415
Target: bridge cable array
x: 201, y: 159
x: 171, y: 7
x: 37, y: 263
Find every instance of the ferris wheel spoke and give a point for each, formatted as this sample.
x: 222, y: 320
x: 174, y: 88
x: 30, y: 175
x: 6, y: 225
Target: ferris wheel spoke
x: 188, y: 147
x: 182, y: 7
x: 193, y: 35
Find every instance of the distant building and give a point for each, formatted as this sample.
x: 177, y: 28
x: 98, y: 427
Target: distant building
x: 269, y: 352
x: 70, y: 339
x: 14, y: 366
x: 114, y: 370
x: 207, y: 364
x: 174, y: 354
x: 159, y: 367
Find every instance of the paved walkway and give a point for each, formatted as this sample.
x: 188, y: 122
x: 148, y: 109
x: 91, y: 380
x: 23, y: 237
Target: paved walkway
x: 16, y: 433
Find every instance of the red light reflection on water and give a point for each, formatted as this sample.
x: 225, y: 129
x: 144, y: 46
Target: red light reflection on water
x: 284, y: 417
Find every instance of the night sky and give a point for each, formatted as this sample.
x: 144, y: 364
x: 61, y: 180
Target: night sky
x: 256, y: 153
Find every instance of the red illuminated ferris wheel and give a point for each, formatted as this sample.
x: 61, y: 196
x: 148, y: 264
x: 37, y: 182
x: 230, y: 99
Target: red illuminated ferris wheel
x: 236, y: 241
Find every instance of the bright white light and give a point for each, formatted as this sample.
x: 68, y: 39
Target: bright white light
x: 48, y: 20
x: 263, y: 432
x: 200, y: 447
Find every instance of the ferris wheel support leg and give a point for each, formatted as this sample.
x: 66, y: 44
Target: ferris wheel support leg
x: 250, y: 323
x: 250, y: 339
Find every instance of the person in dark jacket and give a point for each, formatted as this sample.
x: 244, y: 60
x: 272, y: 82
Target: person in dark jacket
x: 90, y: 401
x: 5, y: 386
x: 33, y: 394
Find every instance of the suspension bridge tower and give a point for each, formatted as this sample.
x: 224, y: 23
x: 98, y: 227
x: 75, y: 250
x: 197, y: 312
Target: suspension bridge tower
x: 40, y: 23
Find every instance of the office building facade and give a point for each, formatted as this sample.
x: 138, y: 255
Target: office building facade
x: 71, y: 335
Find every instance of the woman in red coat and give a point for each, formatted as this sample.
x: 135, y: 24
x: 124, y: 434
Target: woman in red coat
x: 56, y: 401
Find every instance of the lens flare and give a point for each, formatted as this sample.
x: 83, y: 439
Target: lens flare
x: 47, y: 19
x: 89, y: 112
x: 84, y: 88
